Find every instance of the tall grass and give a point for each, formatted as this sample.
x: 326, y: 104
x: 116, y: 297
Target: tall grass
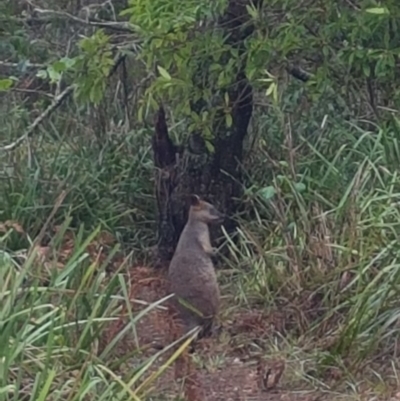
x: 53, y: 324
x: 108, y: 177
x: 319, y: 238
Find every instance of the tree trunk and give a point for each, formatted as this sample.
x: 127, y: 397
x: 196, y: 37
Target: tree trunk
x: 192, y: 169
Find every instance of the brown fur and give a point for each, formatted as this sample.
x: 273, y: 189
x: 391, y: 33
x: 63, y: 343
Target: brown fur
x: 191, y: 272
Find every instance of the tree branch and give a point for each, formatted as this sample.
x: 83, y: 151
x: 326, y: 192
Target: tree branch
x: 9, y: 65
x: 117, y: 26
x: 54, y: 105
x: 298, y: 73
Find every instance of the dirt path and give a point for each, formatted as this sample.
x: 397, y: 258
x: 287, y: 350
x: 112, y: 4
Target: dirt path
x: 220, y: 369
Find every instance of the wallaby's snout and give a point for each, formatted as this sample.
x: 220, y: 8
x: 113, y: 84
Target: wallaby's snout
x: 206, y: 212
x: 218, y: 217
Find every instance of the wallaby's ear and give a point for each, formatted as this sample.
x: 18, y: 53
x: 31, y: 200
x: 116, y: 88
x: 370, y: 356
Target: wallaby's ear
x: 194, y: 200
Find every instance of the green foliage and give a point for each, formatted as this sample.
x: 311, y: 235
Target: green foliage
x: 328, y: 198
x: 113, y: 190
x: 163, y: 16
x: 93, y: 67
x: 89, y: 70
x: 54, y: 72
x: 189, y: 53
x: 342, y: 45
x: 52, y: 328
x: 5, y: 84
x: 182, y: 43
x: 14, y: 40
x: 319, y: 232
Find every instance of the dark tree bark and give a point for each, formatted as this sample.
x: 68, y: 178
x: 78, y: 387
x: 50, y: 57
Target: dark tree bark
x: 192, y: 169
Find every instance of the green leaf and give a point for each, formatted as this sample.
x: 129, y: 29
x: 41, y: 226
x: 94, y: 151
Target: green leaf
x: 367, y: 70
x: 164, y: 73
x: 209, y: 146
x: 300, y: 187
x: 377, y: 10
x: 252, y: 11
x: 270, y: 89
x: 42, y: 74
x: 59, y: 66
x: 68, y: 62
x: 46, y: 387
x: 96, y: 93
x: 267, y: 192
x: 5, y: 84
x: 275, y: 93
x: 228, y: 120
x: 226, y: 97
x: 53, y: 74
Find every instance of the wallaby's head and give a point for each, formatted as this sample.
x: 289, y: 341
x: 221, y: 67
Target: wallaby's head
x: 203, y: 211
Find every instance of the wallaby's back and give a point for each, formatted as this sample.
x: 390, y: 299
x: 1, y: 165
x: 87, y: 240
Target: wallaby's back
x: 191, y: 272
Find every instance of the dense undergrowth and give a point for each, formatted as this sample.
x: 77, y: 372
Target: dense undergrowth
x: 317, y: 238
x: 317, y: 241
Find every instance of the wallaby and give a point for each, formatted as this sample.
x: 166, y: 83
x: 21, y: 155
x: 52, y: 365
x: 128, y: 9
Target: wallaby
x: 191, y: 272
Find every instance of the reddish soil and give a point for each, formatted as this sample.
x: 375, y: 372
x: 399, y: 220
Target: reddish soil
x: 220, y: 369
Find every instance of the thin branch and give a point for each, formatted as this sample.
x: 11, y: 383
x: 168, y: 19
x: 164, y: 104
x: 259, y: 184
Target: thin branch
x: 117, y: 26
x: 54, y: 105
x: 58, y: 100
x: 298, y: 73
x: 6, y: 64
x: 117, y: 62
x: 32, y: 91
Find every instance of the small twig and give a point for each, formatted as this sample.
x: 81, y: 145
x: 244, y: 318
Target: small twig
x: 118, y: 26
x: 299, y: 73
x: 32, y: 91
x: 54, y: 105
x: 18, y: 65
x: 117, y: 62
x: 352, y: 5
